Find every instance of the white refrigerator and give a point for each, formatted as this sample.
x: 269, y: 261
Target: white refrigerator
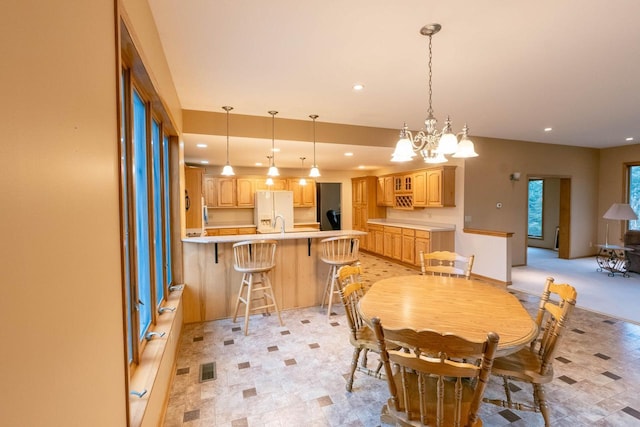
x: 269, y: 205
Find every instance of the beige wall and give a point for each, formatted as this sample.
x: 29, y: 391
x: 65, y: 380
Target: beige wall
x: 61, y: 319
x: 611, y: 187
x: 61, y: 324
x: 487, y: 183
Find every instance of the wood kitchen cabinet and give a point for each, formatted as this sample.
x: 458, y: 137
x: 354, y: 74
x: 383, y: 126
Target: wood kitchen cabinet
x: 393, y: 242
x: 441, y: 187
x: 193, y: 196
x: 408, y: 245
x: 422, y: 244
x: 364, y: 206
x: 385, y: 193
x: 245, y: 192
x: 225, y: 192
x: 278, y: 184
x: 420, y: 189
x: 209, y: 184
x: 376, y: 239
x: 304, y: 196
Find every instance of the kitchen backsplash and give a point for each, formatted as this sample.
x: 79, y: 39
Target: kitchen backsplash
x: 234, y: 216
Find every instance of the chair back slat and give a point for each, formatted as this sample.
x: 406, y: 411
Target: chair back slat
x: 340, y: 250
x: 351, y: 290
x: 254, y: 255
x: 552, y: 318
x: 446, y: 263
x: 437, y: 379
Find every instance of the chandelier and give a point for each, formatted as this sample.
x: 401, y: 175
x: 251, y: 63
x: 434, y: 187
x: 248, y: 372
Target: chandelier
x: 432, y: 144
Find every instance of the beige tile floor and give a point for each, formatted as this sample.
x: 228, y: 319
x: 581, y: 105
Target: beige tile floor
x: 294, y: 375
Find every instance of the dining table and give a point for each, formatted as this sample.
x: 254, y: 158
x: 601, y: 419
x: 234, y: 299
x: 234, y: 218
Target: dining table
x: 468, y: 308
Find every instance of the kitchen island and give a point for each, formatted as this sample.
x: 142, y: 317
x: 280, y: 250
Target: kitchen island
x: 211, y: 283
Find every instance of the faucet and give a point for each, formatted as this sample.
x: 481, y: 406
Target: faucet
x: 275, y: 221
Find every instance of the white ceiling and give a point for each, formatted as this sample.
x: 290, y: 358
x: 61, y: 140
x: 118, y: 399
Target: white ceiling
x: 508, y: 69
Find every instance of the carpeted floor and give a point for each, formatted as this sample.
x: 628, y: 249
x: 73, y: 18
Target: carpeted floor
x: 615, y: 296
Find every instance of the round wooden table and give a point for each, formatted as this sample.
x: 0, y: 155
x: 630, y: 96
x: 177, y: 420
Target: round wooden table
x: 467, y: 308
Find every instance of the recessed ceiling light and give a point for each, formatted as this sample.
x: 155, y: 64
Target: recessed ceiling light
x: 548, y: 129
x: 358, y: 87
x: 275, y: 150
x: 201, y: 145
x: 204, y: 162
x: 629, y: 138
x: 348, y: 154
x: 361, y: 167
x: 258, y: 163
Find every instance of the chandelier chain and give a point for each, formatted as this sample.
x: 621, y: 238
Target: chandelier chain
x: 430, y: 75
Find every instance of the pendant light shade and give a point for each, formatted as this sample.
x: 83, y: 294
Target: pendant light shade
x: 273, y: 170
x: 227, y: 170
x: 314, y: 172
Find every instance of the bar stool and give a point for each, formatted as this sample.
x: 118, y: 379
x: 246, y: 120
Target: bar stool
x: 337, y: 252
x: 254, y: 259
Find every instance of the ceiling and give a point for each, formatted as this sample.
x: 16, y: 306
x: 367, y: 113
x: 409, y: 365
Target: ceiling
x: 507, y: 69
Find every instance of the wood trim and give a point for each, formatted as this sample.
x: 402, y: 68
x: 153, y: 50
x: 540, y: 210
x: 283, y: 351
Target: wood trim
x: 495, y: 233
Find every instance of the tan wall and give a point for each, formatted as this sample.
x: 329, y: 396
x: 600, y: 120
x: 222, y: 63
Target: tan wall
x: 612, y: 187
x: 61, y: 321
x: 63, y: 358
x: 487, y: 183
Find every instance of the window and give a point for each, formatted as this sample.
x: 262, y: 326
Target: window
x: 146, y: 237
x: 536, y: 196
x: 633, y: 196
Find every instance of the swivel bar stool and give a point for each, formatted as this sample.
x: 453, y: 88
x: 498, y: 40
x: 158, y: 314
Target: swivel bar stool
x: 337, y: 252
x: 254, y: 259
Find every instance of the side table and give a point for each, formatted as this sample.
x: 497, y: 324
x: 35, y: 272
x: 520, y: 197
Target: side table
x: 613, y: 259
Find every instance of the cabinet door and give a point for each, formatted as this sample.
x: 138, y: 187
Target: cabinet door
x: 246, y: 190
x: 309, y: 194
x: 420, y: 189
x: 209, y: 191
x: 193, y: 190
x: 379, y: 242
x: 226, y: 192
x: 434, y: 188
x: 397, y: 246
x: 408, y: 246
x: 421, y: 244
x: 389, y: 195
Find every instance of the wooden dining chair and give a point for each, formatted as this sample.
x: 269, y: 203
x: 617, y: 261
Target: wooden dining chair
x: 437, y: 379
x: 445, y: 263
x: 534, y: 364
x: 361, y: 336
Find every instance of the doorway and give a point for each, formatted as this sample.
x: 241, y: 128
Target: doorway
x: 555, y: 216
x: 328, y: 206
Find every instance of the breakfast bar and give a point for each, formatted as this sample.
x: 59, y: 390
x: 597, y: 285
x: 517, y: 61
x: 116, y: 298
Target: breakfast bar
x: 211, y: 283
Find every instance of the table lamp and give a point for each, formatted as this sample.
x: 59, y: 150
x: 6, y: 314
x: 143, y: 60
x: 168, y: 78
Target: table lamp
x: 619, y: 211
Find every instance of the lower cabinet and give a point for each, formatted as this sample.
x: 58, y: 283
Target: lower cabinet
x: 405, y: 244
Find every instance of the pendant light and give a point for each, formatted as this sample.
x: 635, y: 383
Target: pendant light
x: 273, y: 170
x: 314, y: 173
x: 302, y: 180
x: 227, y: 170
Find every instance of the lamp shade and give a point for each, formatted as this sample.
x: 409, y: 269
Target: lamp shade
x: 621, y: 211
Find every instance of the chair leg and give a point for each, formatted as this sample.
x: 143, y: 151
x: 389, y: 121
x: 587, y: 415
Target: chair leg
x: 248, y: 304
x: 327, y: 286
x: 239, y: 300
x: 331, y: 287
x: 364, y: 358
x: 354, y: 365
x: 267, y: 282
x: 541, y: 402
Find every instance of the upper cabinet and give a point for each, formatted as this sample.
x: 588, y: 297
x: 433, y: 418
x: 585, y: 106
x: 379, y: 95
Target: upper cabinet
x: 239, y: 192
x: 385, y: 191
x: 304, y: 196
x: 193, y: 196
x: 425, y: 188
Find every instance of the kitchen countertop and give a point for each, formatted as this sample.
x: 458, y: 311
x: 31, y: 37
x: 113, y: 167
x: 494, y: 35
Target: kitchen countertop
x: 413, y: 225
x: 275, y: 236
x: 230, y: 226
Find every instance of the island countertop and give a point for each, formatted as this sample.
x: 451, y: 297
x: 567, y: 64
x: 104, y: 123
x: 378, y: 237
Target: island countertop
x: 290, y: 235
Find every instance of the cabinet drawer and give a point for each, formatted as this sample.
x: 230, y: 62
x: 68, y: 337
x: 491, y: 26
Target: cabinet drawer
x: 247, y: 230
x: 408, y: 232
x: 375, y: 227
x: 393, y: 230
x: 423, y: 234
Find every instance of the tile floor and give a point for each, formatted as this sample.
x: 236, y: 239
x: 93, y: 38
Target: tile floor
x: 294, y: 375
